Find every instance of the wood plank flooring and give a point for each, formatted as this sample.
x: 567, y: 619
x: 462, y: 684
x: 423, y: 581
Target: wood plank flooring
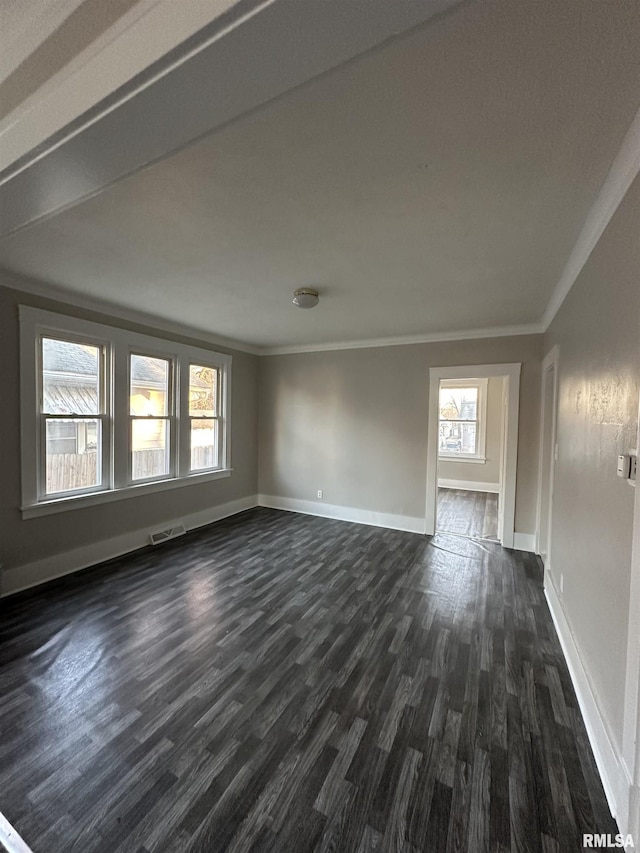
x: 467, y: 513
x: 278, y: 682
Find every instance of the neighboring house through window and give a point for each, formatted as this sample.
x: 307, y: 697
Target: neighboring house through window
x: 107, y: 411
x: 462, y: 420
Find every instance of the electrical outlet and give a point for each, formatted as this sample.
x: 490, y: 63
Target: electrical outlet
x: 561, y: 584
x: 320, y: 494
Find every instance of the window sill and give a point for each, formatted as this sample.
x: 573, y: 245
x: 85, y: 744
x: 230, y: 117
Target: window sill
x: 478, y: 460
x: 62, y: 504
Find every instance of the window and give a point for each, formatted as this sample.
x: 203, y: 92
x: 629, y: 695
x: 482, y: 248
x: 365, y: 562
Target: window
x: 203, y: 416
x: 151, y: 411
x: 115, y: 412
x: 72, y: 410
x: 462, y: 419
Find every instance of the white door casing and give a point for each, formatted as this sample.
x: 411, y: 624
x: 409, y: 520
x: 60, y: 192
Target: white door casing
x: 511, y: 375
x: 631, y: 725
x: 547, y: 455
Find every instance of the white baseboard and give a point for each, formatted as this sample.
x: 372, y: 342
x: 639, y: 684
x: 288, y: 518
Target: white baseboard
x: 345, y: 513
x: 615, y: 777
x: 633, y: 826
x: 613, y: 772
x: 524, y: 542
x: 23, y: 577
x: 9, y: 838
x: 469, y: 485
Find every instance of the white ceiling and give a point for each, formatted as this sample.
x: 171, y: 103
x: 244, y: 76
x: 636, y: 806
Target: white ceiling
x: 60, y: 58
x: 437, y: 183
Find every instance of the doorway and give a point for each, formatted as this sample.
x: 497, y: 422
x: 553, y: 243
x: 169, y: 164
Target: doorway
x: 549, y: 393
x: 504, y: 508
x: 470, y: 456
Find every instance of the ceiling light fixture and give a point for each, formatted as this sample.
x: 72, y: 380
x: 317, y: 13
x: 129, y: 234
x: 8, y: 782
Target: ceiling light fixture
x: 305, y: 297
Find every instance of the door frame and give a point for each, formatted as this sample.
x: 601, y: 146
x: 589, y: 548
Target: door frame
x: 631, y: 718
x: 549, y: 363
x: 511, y: 375
x: 503, y: 456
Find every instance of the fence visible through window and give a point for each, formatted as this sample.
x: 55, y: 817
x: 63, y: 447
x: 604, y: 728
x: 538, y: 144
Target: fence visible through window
x: 69, y: 471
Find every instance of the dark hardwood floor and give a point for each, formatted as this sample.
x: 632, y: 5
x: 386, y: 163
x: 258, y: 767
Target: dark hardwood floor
x: 467, y: 513
x: 278, y: 682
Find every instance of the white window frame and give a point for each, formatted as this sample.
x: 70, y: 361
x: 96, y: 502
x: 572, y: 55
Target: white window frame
x: 189, y: 419
x: 481, y: 420
x: 510, y: 373
x: 104, y: 404
x: 118, y: 344
x: 171, y: 417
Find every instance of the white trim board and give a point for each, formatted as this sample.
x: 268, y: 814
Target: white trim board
x: 33, y: 574
x: 410, y: 524
x: 117, y: 345
x: 631, y: 724
x: 111, y: 311
x: 155, y: 323
x: 524, y: 542
x: 408, y: 340
x: 247, y: 51
x: 550, y: 363
x: 10, y: 840
x: 621, y: 175
x: 511, y: 374
x: 407, y: 523
x: 468, y: 485
x: 16, y: 579
x: 615, y: 778
x: 623, y: 171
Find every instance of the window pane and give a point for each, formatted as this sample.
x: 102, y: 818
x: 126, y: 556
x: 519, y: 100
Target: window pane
x: 149, y: 448
x: 204, y: 444
x: 450, y: 437
x: 459, y: 404
x: 73, y: 454
x: 468, y: 438
x: 70, y: 378
x: 202, y: 390
x: 149, y: 392
x: 457, y: 437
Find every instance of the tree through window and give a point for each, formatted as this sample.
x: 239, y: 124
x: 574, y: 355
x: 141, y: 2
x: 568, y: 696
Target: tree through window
x: 460, y: 430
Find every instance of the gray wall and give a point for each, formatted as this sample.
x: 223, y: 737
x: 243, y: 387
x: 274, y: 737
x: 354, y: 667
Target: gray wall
x: 22, y: 542
x: 354, y: 423
x: 598, y: 332
x: 489, y: 471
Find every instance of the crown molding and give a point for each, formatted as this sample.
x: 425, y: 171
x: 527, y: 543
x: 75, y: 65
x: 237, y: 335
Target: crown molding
x: 55, y: 293
x: 623, y: 171
x: 621, y: 175
x: 406, y: 340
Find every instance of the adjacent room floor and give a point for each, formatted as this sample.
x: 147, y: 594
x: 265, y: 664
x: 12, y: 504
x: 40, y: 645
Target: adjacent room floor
x: 279, y: 682
x: 467, y: 513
